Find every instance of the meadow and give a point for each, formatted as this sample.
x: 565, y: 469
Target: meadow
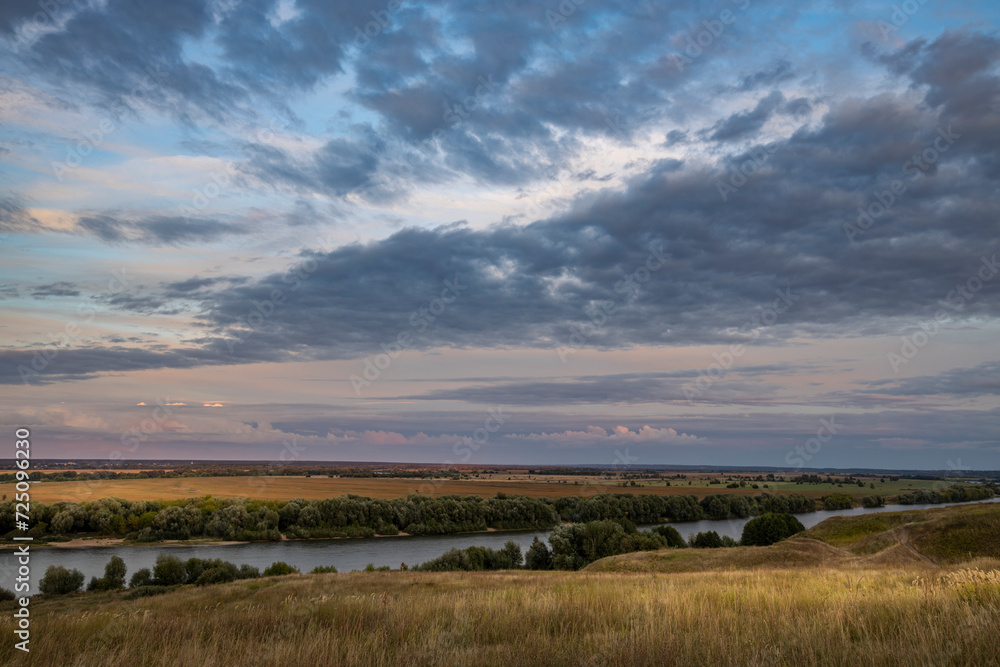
x: 826, y: 597
x: 315, y: 488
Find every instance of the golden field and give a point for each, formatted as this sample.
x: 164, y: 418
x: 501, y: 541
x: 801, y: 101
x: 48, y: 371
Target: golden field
x: 764, y: 616
x: 314, y: 488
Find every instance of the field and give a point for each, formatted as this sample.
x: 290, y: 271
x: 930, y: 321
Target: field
x: 802, y: 602
x: 286, y: 488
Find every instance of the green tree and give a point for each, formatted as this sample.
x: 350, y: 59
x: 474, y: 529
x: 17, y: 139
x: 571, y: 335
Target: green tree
x: 114, y: 573
x: 538, y: 557
x: 169, y: 570
x: 59, y: 581
x: 711, y: 540
x: 672, y: 537
x: 770, y: 528
x: 141, y: 577
x: 278, y: 569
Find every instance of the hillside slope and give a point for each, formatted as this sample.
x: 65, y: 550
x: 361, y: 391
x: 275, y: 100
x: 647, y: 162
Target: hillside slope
x: 922, y: 538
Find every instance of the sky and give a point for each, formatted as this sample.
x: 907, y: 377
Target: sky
x: 617, y: 233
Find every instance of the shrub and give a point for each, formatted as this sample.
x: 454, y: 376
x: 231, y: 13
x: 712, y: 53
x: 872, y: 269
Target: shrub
x: 670, y: 534
x: 6, y: 595
x: 218, y: 574
x: 873, y: 501
x: 59, y: 581
x: 141, y: 577
x: 279, y: 569
x: 838, y: 501
x: 770, y: 528
x: 324, y: 569
x: 711, y: 540
x: 169, y: 570
x: 248, y: 572
x: 147, y: 591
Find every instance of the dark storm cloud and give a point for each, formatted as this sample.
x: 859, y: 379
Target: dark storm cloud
x: 61, y: 288
x: 981, y: 380
x: 14, y: 12
x: 545, y: 284
x: 50, y: 365
x: 743, y: 386
x: 779, y: 71
x: 14, y: 217
x: 157, y: 229
x: 739, y: 125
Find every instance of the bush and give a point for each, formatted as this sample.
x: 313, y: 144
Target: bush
x: 873, y: 501
x: 324, y: 569
x: 770, y: 528
x: 711, y: 540
x: 474, y: 559
x: 670, y: 534
x: 222, y: 573
x: 169, y: 571
x: 59, y: 581
x: 248, y: 572
x: 141, y: 577
x: 6, y: 596
x: 146, y: 591
x: 838, y: 501
x: 279, y: 569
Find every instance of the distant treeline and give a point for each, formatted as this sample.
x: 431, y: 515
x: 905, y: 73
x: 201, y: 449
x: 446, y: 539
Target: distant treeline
x: 97, y: 475
x: 954, y: 494
x: 355, y: 516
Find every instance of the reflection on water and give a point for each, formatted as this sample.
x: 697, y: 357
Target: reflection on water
x: 347, y: 554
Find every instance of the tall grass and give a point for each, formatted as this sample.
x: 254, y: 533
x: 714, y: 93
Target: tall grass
x: 819, y: 616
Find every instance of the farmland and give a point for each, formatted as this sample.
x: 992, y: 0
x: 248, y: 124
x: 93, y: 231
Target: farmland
x: 318, y: 487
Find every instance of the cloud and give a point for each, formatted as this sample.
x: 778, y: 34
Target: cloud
x: 595, y: 435
x: 61, y: 288
x: 740, y: 125
x: 157, y: 229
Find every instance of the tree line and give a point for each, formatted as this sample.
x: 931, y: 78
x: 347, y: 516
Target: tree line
x: 356, y: 516
x: 574, y: 546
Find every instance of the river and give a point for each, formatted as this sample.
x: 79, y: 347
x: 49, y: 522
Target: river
x: 349, y: 554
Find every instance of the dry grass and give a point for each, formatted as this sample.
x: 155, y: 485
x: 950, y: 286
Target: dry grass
x: 769, y: 616
x: 314, y: 488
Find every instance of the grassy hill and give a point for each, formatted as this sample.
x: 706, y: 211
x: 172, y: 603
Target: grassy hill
x: 838, y: 595
x: 921, y: 538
